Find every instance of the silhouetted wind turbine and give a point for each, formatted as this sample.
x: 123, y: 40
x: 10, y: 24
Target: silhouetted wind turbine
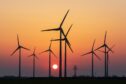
x: 75, y: 71
x: 66, y: 43
x: 60, y: 44
x: 19, y: 48
x: 105, y: 46
x: 107, y: 56
x: 93, y: 54
x: 50, y: 51
x: 34, y: 57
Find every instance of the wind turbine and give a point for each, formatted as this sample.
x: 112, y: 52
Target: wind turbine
x: 49, y: 50
x: 93, y: 54
x: 19, y: 47
x: 75, y: 71
x: 60, y: 42
x: 66, y: 43
x: 34, y: 57
x: 105, y: 46
x: 107, y: 56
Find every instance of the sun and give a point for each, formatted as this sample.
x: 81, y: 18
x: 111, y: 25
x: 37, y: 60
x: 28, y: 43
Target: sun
x: 55, y: 66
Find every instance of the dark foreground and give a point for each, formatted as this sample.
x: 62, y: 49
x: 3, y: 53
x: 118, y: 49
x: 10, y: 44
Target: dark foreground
x: 65, y: 80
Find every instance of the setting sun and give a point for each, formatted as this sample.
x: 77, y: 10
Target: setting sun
x: 55, y: 66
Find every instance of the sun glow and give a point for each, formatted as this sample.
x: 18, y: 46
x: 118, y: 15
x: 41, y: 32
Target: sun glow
x: 55, y: 66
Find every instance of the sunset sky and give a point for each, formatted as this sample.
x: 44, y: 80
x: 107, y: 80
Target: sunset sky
x: 90, y: 19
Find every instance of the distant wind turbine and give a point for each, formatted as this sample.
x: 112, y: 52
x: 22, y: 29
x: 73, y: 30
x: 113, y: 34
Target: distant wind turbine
x: 66, y: 43
x: 19, y: 48
x: 93, y: 54
x: 105, y: 46
x: 75, y: 71
x: 107, y: 56
x: 34, y: 57
x: 49, y: 50
x: 60, y: 43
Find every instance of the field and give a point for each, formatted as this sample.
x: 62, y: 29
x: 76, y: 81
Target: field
x: 61, y: 80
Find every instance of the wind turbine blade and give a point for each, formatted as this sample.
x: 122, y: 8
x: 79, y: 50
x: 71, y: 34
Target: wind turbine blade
x: 44, y: 51
x: 18, y: 40
x: 25, y: 48
x: 109, y: 48
x: 50, y: 44
x: 97, y: 56
x: 69, y: 30
x: 93, y: 45
x: 14, y: 51
x: 53, y: 53
x: 70, y: 48
x: 57, y: 39
x: 86, y: 53
x: 68, y: 43
x: 30, y: 55
x: 105, y: 37
x: 55, y: 29
x: 64, y: 19
x: 99, y: 47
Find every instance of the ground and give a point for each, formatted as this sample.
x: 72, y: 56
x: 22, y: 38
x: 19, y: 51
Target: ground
x: 61, y: 80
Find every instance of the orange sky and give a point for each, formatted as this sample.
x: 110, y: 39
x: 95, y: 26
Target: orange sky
x: 90, y: 18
